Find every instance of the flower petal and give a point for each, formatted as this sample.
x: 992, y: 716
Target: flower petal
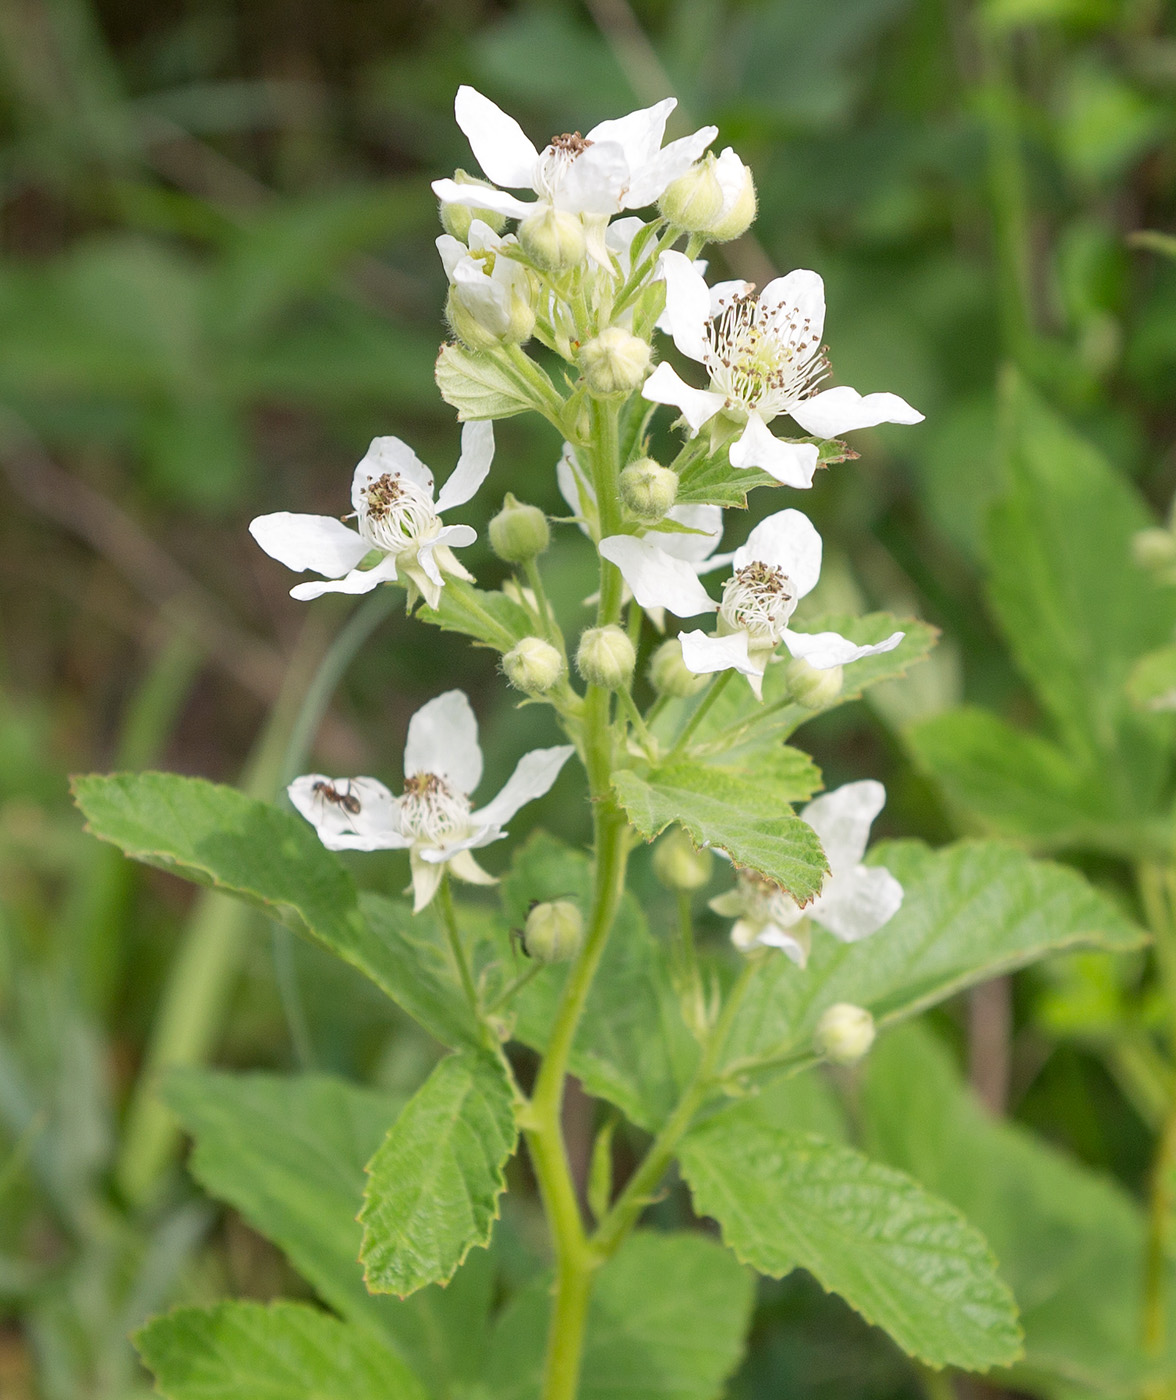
x: 477, y: 452
x: 389, y: 455
x: 658, y: 579
x: 452, y: 250
x: 825, y: 649
x: 372, y: 825
x: 319, y: 542
x: 842, y: 819
x: 858, y: 903
x: 357, y: 582
x: 695, y: 549
x: 687, y: 304
x: 791, y: 463
x: 595, y: 183
x: 639, y: 134
x: 443, y: 739
x: 426, y: 880
x: 651, y: 180
x: 454, y: 536
x: 843, y: 409
x: 499, y: 143
x: 486, y: 298
x: 533, y: 776
x: 704, y: 654
x: 481, y: 197
x: 795, y: 298
x: 722, y: 294
x: 789, y: 541
x: 698, y: 406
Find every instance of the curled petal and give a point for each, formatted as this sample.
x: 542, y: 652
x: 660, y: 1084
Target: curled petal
x: 791, y: 463
x: 789, y: 541
x: 498, y: 142
x: 687, y: 304
x: 480, y: 197
x: 840, y: 410
x: 842, y: 819
x: 698, y: 406
x: 301, y: 542
x: 431, y: 554
x: 823, y: 650
x: 358, y: 581
x: 443, y: 739
x: 533, y: 776
x: 477, y: 452
x: 658, y: 579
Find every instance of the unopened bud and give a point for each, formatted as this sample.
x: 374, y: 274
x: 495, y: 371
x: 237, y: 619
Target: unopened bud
x: 669, y: 674
x: 533, y: 665
x: 812, y: 688
x: 739, y: 201
x: 614, y: 362
x: 518, y: 533
x: 695, y: 200
x: 679, y: 864
x: 467, y: 326
x: 606, y: 657
x: 553, y: 240
x: 648, y: 489
x: 457, y: 218
x: 844, y: 1033
x: 554, y: 931
x: 1154, y: 549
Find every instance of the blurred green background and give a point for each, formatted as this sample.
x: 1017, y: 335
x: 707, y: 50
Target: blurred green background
x: 218, y: 281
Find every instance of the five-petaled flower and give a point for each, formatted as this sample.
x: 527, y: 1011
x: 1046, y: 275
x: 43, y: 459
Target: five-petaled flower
x: 433, y: 820
x: 779, y: 565
x: 764, y: 358
x: 855, y: 899
x: 396, y: 516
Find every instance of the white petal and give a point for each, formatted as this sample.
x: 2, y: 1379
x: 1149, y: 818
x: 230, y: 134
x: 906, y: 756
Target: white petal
x: 789, y: 541
x: 858, y: 903
x: 486, y: 298
x: 728, y: 170
x: 639, y: 134
x: 358, y: 581
x: 426, y: 880
x: 533, y: 776
x: 791, y: 463
x: 481, y: 236
x: 843, y: 409
x: 319, y: 542
x: 650, y: 181
x: 698, y: 406
x: 595, y: 182
x: 799, y: 296
x: 479, y: 197
x: 794, y: 946
x: 465, y: 867
x: 695, y: 549
x: 618, y: 239
x: 842, y: 820
x: 722, y: 294
x: 658, y: 579
x: 575, y: 488
x: 389, y: 455
x: 373, y: 827
x: 687, y: 304
x: 477, y: 452
x: 443, y: 739
x: 704, y: 654
x: 452, y: 251
x: 452, y: 535
x: 823, y: 650
x: 498, y: 142
x: 474, y: 839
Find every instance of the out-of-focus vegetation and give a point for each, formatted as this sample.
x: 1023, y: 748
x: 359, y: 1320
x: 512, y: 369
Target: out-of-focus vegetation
x: 218, y: 282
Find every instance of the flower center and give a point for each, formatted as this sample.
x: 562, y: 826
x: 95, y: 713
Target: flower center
x: 766, y: 902
x: 763, y: 359
x: 556, y: 160
x: 758, y: 599
x: 395, y: 514
x: 431, y: 810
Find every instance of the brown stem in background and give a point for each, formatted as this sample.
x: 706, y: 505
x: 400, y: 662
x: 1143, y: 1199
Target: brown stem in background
x: 990, y: 1021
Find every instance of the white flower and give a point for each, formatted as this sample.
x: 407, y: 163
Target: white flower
x: 433, y: 820
x: 764, y: 358
x: 855, y: 900
x: 392, y: 493
x: 490, y: 284
x: 620, y: 164
x: 779, y: 565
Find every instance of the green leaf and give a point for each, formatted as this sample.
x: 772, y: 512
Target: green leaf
x: 283, y: 1351
x: 667, y: 1321
x: 1070, y: 1241
x: 490, y: 618
x: 713, y: 480
x: 479, y: 385
x: 434, y: 1183
x: 752, y: 823
x: 217, y: 836
x: 288, y: 1153
x: 904, y: 1259
x: 970, y: 912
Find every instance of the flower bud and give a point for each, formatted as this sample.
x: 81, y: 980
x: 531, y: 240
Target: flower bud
x: 457, y: 218
x: 679, y: 864
x: 695, y: 200
x: 518, y: 533
x: 669, y: 674
x: 554, y: 931
x: 812, y: 688
x: 1154, y: 549
x: 648, y: 489
x: 738, y: 211
x: 533, y: 665
x: 467, y: 326
x: 844, y: 1033
x: 553, y: 240
x: 606, y: 657
x: 614, y: 362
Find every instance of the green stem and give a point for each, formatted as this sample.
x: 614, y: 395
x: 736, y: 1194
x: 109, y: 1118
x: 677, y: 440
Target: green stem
x: 629, y: 705
x: 605, y: 472
x: 510, y: 992
x: 453, y: 934
x: 546, y: 612
x: 699, y: 714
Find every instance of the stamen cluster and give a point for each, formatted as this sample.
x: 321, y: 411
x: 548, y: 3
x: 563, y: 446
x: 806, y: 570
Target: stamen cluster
x: 431, y: 810
x: 762, y: 357
x: 395, y: 513
x: 758, y: 599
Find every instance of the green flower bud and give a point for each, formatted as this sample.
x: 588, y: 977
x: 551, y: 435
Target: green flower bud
x: 467, y: 327
x: 679, y: 864
x: 844, y: 1033
x: 614, y: 362
x: 812, y: 688
x: 519, y: 533
x: 533, y: 665
x: 457, y: 218
x: 606, y: 657
x: 553, y: 240
x: 669, y: 675
x: 554, y: 931
x: 695, y: 200
x: 740, y: 213
x: 648, y: 489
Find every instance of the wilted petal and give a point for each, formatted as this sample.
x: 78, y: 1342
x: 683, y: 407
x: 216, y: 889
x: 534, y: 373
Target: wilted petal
x: 858, y: 903
x: 319, y: 542
x: 823, y: 650
x: 658, y: 579
x: 477, y: 452
x: 443, y: 739
x: 789, y: 541
x: 498, y: 142
x: 687, y: 304
x: 842, y: 819
x: 533, y: 776
x: 840, y: 410
x: 791, y: 463
x: 697, y: 406
x: 357, y: 582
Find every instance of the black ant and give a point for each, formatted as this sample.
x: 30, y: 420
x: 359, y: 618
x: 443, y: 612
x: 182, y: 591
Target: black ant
x: 330, y: 793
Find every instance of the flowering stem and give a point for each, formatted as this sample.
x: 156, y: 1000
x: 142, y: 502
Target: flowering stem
x: 699, y: 715
x: 449, y: 919
x: 508, y: 993
x: 629, y: 705
x: 605, y: 471
x: 546, y: 612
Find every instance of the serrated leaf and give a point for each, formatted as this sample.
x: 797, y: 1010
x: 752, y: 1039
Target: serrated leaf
x: 490, y: 618
x: 280, y: 1351
x: 712, y: 480
x: 969, y: 912
x: 906, y: 1260
x: 667, y: 1321
x: 752, y: 823
x: 217, y: 836
x: 434, y: 1183
x: 479, y: 385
